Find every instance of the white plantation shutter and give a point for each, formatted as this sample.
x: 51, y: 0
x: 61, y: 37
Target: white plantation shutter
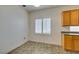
x: 43, y: 26
x: 38, y: 26
x: 46, y: 25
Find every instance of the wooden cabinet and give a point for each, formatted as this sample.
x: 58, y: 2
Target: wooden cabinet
x: 71, y: 42
x: 71, y: 18
x: 74, y: 18
x: 76, y: 43
x: 68, y: 42
x: 66, y: 18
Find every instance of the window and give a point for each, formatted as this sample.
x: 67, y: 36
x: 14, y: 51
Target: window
x: 43, y: 26
x: 46, y: 25
x: 74, y: 28
x: 38, y: 26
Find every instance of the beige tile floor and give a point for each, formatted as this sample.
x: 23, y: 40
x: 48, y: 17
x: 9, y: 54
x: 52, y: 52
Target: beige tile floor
x: 39, y: 48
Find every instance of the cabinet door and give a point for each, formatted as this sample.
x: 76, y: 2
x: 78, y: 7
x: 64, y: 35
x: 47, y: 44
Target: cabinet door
x: 76, y: 43
x: 74, y: 18
x: 66, y: 18
x: 68, y: 42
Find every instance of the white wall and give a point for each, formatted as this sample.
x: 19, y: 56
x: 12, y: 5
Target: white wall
x: 56, y: 16
x: 13, y: 27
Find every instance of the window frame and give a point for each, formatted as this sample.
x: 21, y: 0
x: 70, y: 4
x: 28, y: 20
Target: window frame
x: 43, y: 27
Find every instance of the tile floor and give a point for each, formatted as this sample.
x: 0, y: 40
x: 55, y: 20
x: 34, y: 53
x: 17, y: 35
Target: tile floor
x: 39, y: 48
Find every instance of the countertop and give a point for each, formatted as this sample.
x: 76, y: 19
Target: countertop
x: 70, y: 33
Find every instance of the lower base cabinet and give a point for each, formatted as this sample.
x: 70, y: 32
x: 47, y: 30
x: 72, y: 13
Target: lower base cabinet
x: 76, y: 42
x: 68, y: 42
x: 71, y: 42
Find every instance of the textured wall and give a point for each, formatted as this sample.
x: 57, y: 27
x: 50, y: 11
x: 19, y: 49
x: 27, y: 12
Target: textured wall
x: 13, y: 27
x: 56, y: 16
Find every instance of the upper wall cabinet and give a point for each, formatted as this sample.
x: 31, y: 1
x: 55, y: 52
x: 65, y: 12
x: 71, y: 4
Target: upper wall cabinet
x: 74, y: 17
x: 66, y: 18
x: 71, y: 18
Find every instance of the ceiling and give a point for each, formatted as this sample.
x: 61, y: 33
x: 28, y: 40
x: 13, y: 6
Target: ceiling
x: 32, y: 8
